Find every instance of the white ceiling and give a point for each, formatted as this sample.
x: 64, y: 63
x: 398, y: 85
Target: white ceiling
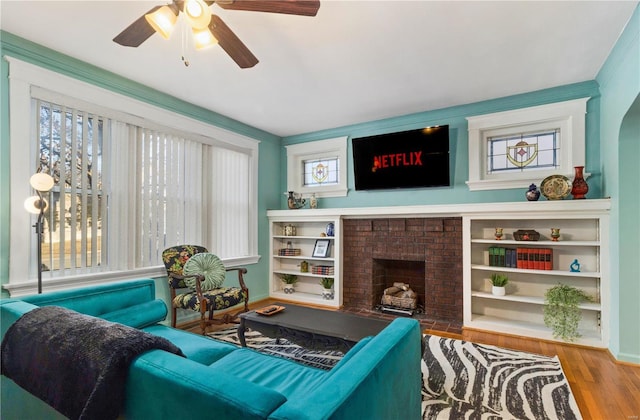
x: 356, y: 61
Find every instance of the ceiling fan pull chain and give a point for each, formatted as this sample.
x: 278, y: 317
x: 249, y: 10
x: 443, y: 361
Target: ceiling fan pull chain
x: 184, y: 47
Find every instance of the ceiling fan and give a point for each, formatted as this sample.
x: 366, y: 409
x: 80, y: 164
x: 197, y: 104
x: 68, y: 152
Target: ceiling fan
x: 208, y: 29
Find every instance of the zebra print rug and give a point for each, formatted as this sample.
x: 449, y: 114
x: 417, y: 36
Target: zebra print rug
x: 467, y: 380
x: 460, y: 379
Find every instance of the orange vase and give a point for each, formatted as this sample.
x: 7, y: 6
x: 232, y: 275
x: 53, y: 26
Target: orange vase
x: 580, y: 186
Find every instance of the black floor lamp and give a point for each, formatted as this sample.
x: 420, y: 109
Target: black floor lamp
x: 37, y: 204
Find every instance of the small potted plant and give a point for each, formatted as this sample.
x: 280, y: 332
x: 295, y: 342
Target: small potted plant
x: 498, y: 283
x: 562, y: 312
x: 289, y: 280
x: 327, y: 285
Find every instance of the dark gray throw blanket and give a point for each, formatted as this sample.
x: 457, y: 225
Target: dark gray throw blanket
x: 76, y: 363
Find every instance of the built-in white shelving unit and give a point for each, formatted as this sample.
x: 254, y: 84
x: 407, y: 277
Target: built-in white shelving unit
x: 309, y: 228
x: 584, y: 229
x: 584, y: 235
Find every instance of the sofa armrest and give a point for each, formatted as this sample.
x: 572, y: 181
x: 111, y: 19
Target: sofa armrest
x: 10, y: 311
x: 381, y: 380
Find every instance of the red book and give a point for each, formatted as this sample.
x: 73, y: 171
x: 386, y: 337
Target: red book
x: 540, y: 259
x: 520, y: 258
x: 548, y: 259
x: 530, y: 258
x: 536, y: 258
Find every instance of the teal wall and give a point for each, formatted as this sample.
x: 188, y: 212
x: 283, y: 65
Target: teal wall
x: 619, y: 81
x: 455, y: 117
x: 269, y: 151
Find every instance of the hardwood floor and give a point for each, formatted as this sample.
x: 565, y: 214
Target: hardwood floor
x: 603, y: 388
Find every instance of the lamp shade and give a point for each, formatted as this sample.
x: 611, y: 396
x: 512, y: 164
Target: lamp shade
x: 162, y: 21
x: 34, y: 204
x: 41, y: 182
x: 203, y: 39
x: 197, y: 13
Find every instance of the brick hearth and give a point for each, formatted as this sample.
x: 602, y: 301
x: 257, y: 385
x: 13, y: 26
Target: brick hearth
x: 436, y: 241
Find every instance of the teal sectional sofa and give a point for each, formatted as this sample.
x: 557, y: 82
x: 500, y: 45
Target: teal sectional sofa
x: 379, y: 378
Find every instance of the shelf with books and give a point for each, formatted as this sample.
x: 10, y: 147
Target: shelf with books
x: 300, y: 245
x: 575, y: 259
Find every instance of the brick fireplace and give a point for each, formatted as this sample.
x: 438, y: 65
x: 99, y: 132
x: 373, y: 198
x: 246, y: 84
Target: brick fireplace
x: 425, y: 252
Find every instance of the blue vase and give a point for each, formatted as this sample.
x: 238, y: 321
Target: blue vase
x: 533, y: 194
x: 330, y: 229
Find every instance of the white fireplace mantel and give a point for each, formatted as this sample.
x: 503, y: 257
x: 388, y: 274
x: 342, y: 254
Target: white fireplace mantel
x: 522, y: 208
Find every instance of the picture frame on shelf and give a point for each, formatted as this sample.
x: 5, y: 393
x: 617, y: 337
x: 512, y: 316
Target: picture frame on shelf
x: 321, y: 248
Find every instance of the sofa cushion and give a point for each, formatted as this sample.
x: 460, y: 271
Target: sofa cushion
x: 289, y: 378
x: 196, y: 347
x: 162, y: 385
x: 140, y: 315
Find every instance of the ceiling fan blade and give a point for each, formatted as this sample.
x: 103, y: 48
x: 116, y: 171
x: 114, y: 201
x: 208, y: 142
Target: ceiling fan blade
x: 136, y: 33
x: 231, y: 43
x: 291, y: 7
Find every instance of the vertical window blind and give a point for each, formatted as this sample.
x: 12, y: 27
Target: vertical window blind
x: 124, y: 193
x: 71, y: 144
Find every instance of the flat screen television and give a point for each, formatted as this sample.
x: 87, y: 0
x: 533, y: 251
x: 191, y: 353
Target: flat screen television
x: 407, y: 159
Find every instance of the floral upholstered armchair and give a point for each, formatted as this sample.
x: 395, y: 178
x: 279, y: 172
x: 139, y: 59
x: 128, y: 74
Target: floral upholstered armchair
x: 196, y: 280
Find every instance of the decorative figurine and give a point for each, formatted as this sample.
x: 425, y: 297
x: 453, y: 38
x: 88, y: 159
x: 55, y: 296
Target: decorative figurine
x: 289, y: 230
x: 533, y: 194
x: 555, y: 234
x: 313, y: 201
x: 330, y: 229
x: 575, y: 266
x: 304, y: 267
x: 498, y: 234
x: 294, y: 201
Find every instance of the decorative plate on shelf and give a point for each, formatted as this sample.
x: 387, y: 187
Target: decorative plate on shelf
x: 555, y: 187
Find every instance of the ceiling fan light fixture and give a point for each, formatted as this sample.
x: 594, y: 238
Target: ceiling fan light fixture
x: 197, y: 13
x: 203, y: 39
x: 163, y: 21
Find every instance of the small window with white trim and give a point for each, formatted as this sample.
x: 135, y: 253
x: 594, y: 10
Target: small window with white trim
x: 513, y: 149
x: 318, y: 167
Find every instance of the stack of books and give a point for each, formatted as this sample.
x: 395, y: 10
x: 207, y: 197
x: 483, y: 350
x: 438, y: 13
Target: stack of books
x: 289, y: 252
x: 323, y: 270
x: 526, y: 258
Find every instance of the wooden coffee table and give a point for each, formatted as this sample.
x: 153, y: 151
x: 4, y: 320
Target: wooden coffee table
x: 312, y: 328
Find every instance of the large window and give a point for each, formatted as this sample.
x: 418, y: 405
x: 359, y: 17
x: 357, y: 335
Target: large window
x: 130, y: 181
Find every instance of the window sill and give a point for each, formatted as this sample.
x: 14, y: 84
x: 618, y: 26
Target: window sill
x: 30, y: 287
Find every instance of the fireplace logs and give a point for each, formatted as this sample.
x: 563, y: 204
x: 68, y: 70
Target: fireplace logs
x: 399, y: 296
